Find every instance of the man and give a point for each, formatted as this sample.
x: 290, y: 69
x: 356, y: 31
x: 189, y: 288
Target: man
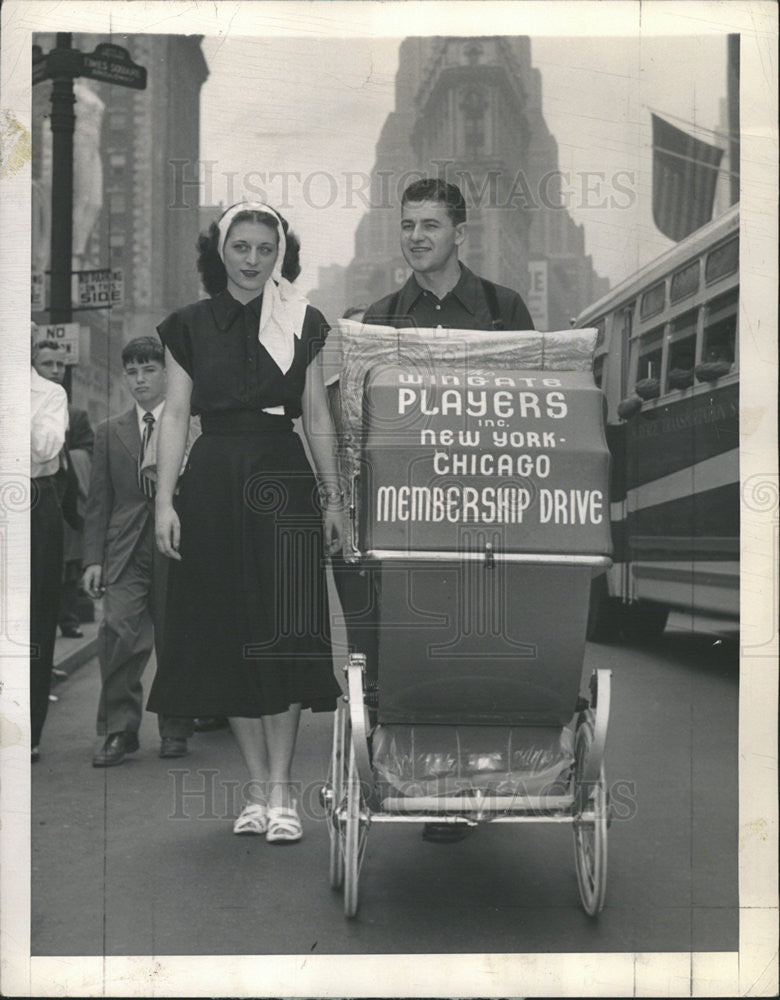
x: 48, y: 425
x: 49, y: 361
x: 440, y: 292
x: 123, y: 564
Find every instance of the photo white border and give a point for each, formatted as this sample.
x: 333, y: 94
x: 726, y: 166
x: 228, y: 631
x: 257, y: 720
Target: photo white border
x: 753, y: 970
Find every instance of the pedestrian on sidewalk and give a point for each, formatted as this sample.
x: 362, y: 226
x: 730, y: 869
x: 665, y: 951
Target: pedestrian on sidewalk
x: 247, y: 630
x: 48, y: 426
x: 123, y: 564
x: 49, y: 361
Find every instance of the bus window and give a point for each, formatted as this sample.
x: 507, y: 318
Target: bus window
x: 648, y: 372
x: 685, y: 282
x: 623, y: 344
x: 723, y: 261
x: 652, y: 301
x: 720, y: 336
x: 682, y: 352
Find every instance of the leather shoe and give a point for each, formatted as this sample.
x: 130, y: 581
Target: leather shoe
x: 173, y: 746
x: 446, y: 833
x: 71, y: 632
x: 115, y: 749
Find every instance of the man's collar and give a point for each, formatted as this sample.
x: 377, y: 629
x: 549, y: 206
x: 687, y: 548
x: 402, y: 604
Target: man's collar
x: 466, y: 291
x: 409, y: 294
x: 140, y: 411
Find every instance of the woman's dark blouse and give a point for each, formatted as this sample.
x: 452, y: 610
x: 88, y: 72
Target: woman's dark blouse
x: 215, y: 341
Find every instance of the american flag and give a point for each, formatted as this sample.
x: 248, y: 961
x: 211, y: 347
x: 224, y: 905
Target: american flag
x: 685, y: 172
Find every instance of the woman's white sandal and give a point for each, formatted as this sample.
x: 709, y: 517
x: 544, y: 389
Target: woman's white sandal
x: 253, y: 819
x: 284, y: 825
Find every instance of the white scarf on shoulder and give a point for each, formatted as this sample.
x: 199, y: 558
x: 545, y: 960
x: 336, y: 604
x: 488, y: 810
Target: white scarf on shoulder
x: 284, y: 307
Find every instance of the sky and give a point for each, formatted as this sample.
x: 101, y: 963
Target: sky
x: 311, y: 108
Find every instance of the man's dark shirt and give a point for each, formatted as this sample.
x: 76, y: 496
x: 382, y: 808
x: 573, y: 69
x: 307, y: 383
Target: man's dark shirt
x: 463, y: 308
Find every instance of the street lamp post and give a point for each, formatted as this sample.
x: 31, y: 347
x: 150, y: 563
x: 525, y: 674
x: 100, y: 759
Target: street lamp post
x: 110, y: 64
x: 63, y: 65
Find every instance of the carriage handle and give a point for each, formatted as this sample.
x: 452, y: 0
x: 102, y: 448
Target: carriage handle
x: 543, y: 558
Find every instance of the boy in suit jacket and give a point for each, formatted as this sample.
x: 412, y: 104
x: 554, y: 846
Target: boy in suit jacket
x: 123, y: 564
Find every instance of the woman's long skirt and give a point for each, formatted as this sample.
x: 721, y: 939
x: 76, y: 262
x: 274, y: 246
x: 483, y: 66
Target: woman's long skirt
x: 247, y: 629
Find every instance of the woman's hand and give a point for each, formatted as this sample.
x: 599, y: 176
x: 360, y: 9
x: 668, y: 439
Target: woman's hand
x: 167, y: 531
x: 333, y: 530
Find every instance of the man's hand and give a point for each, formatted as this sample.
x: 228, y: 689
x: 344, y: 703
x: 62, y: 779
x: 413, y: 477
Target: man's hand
x: 92, y: 581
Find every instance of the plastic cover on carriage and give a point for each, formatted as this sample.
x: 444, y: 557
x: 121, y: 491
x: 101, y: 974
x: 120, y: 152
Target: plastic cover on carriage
x: 477, y: 474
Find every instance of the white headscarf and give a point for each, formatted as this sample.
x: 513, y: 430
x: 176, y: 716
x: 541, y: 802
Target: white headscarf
x: 284, y: 307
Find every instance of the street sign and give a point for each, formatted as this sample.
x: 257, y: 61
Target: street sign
x: 112, y: 64
x: 66, y: 335
x: 101, y: 289
x: 108, y: 63
x: 537, y: 297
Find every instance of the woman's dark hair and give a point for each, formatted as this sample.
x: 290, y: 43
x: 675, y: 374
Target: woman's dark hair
x: 213, y: 276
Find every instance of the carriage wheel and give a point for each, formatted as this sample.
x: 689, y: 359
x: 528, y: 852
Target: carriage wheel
x: 337, y: 784
x: 355, y: 837
x: 590, y: 835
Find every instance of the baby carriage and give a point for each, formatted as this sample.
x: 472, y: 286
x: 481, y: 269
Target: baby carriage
x: 478, y: 501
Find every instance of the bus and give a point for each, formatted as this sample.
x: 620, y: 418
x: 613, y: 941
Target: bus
x: 667, y: 360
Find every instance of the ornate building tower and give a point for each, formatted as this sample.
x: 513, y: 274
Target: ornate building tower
x: 470, y: 110
x: 472, y: 123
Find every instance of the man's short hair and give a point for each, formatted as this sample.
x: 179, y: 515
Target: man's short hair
x: 435, y: 189
x: 141, y: 350
x: 44, y: 345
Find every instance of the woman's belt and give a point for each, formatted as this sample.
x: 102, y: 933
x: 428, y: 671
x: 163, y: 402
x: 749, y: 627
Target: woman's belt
x: 244, y: 422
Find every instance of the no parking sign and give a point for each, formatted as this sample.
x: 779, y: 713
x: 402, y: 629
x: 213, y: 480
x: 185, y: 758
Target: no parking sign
x: 66, y: 335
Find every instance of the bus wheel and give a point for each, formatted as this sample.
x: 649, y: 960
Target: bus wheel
x: 605, y: 613
x: 645, y: 621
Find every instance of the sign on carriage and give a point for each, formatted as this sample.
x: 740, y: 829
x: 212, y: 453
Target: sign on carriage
x: 451, y: 456
x: 66, y: 335
x: 101, y: 289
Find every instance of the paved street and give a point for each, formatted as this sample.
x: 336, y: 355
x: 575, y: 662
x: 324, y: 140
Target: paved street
x: 123, y: 864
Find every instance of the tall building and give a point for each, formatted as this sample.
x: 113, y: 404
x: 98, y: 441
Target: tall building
x: 146, y: 221
x: 330, y: 294
x: 470, y: 110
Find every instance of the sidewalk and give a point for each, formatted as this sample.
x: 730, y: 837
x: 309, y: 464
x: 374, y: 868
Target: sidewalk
x: 70, y: 654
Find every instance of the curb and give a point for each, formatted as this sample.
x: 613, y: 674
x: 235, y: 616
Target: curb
x: 71, y: 660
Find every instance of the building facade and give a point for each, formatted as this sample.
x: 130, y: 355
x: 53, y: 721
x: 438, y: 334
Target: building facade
x: 135, y: 215
x: 470, y: 110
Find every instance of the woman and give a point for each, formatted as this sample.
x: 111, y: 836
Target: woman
x: 246, y: 633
